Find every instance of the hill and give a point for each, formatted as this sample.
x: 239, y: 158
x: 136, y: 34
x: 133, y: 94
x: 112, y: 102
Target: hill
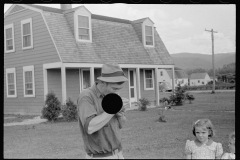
x: 197, y: 60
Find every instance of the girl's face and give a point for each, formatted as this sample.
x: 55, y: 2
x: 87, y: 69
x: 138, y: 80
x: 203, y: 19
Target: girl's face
x: 201, y: 134
x: 231, y: 146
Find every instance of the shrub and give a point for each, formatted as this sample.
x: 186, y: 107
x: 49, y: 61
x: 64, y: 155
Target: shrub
x: 52, y: 107
x: 189, y: 97
x: 179, y: 96
x: 69, y: 111
x: 164, y: 99
x: 142, y: 104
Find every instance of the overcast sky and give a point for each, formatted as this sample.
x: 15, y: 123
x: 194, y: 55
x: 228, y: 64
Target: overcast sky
x: 181, y: 27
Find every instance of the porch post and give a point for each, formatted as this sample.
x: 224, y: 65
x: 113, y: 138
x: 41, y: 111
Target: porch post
x: 173, y: 79
x: 45, y: 83
x: 91, y: 76
x: 157, y: 87
x: 64, y: 90
x: 138, y: 83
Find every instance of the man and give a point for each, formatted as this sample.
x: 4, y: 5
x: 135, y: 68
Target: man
x: 100, y: 130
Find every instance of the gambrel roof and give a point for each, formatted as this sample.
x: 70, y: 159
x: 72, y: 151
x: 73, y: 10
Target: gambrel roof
x: 113, y: 40
x: 198, y: 75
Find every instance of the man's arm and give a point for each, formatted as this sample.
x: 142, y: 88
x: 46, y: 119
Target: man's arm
x: 98, y: 122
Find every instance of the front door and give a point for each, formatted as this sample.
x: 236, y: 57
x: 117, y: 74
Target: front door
x: 132, y: 85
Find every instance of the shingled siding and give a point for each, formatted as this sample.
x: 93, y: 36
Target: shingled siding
x: 43, y: 52
x: 72, y: 84
x: 54, y: 82
x: 138, y: 28
x: 149, y: 94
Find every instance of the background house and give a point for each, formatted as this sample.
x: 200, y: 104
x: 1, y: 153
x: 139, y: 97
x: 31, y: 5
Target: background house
x: 63, y: 50
x: 180, y: 77
x: 197, y: 79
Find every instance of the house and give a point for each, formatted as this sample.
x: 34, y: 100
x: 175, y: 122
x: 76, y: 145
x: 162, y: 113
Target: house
x: 63, y: 50
x: 180, y: 77
x: 197, y: 79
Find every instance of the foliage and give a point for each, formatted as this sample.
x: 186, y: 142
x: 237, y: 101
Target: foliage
x: 179, y: 96
x: 189, y: 97
x: 218, y: 85
x: 226, y: 69
x: 69, y: 111
x: 142, y: 104
x: 52, y: 107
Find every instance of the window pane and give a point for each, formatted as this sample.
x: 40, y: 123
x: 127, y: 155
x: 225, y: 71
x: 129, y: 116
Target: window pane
x: 29, y: 86
x: 12, y: 92
x: 10, y: 78
x: 149, y: 40
x: 26, y: 28
x: 82, y: 31
x: 149, y: 83
x: 26, y: 41
x: 148, y: 30
x: 132, y: 92
x: 29, y: 92
x: 28, y: 76
x: 8, y: 33
x: 11, y: 87
x: 148, y: 74
x: 131, y: 78
x: 83, y: 22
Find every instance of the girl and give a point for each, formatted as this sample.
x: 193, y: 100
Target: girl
x: 231, y: 146
x: 203, y: 147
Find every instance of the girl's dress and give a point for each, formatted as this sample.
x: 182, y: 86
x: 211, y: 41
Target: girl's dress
x: 204, y: 151
x: 228, y: 156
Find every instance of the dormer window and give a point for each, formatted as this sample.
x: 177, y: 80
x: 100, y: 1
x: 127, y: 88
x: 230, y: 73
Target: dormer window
x: 82, y: 25
x: 149, y: 35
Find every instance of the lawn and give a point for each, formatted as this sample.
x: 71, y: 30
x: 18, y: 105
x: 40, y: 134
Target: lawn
x: 142, y: 135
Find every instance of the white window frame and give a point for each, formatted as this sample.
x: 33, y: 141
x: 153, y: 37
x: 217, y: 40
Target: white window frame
x: 144, y: 78
x: 25, y: 69
x: 144, y: 36
x: 76, y: 28
x: 11, y: 70
x: 5, y: 40
x: 22, y: 23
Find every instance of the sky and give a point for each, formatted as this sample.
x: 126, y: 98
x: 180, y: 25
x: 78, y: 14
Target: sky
x: 180, y: 26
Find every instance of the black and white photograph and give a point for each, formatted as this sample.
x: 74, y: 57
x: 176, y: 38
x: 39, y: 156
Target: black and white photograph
x: 119, y: 81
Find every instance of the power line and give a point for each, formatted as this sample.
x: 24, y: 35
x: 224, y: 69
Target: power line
x: 213, y: 90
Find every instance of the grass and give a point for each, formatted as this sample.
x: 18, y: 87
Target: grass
x: 142, y: 136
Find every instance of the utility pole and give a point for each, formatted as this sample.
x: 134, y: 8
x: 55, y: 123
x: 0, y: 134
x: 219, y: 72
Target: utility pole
x: 213, y: 89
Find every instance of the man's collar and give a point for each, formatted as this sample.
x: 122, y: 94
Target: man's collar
x: 99, y: 94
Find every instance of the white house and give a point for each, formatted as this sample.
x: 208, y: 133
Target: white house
x: 180, y: 77
x: 197, y: 79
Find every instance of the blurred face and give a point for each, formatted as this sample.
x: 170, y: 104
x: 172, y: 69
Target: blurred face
x: 231, y: 146
x: 112, y: 88
x: 202, y: 134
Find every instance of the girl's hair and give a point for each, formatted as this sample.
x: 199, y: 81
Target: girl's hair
x: 232, y: 137
x: 204, y: 123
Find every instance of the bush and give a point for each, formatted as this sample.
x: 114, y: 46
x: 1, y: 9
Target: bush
x: 69, y: 111
x: 179, y: 96
x: 189, y: 97
x: 52, y: 107
x: 142, y: 104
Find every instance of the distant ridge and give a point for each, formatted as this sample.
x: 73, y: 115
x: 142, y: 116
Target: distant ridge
x: 187, y: 60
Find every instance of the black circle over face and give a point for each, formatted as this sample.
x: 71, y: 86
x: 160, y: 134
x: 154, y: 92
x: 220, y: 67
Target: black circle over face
x: 112, y: 103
